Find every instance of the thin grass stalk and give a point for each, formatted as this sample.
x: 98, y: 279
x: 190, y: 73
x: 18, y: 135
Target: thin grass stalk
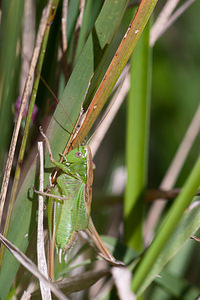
x: 41, y: 257
x: 28, y: 120
x: 31, y: 267
x: 27, y: 91
x: 171, y: 176
x: 11, y: 22
x: 109, y: 114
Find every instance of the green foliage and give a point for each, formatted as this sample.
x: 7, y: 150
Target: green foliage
x: 137, y: 141
x: 153, y: 132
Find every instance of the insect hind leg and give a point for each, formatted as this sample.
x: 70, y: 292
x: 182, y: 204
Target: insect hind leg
x: 67, y: 247
x: 73, y: 237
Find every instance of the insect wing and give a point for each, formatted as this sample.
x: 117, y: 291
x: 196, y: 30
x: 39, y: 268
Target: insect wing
x: 80, y: 216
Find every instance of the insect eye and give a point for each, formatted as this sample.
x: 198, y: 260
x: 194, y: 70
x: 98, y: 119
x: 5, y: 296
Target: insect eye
x: 78, y: 154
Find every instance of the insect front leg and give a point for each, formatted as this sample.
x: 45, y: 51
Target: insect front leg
x: 56, y: 163
x: 48, y: 145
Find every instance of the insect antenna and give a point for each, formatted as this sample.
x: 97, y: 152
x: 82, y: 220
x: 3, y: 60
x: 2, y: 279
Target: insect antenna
x: 57, y: 100
x: 76, y: 127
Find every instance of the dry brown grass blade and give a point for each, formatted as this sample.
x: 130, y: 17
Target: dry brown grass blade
x: 80, y: 18
x: 27, y: 293
x: 28, y: 40
x: 116, y: 66
x: 64, y: 25
x: 167, y: 18
x: 171, y: 175
x: 82, y: 281
x: 101, y: 247
x: 26, y: 93
x: 42, y: 264
x: 31, y: 267
x: 110, y: 113
x: 162, y: 19
x: 123, y: 286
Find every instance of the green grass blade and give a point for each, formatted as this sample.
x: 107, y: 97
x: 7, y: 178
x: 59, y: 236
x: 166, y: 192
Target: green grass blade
x: 29, y: 116
x: 138, y: 111
x: 187, y: 227
x: 167, y: 227
x: 77, y: 86
x: 116, y: 66
x: 91, y: 12
x: 177, y: 287
x: 12, y: 13
x: 23, y: 220
x: 73, y: 10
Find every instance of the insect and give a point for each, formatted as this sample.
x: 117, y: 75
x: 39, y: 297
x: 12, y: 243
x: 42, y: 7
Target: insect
x: 70, y: 202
